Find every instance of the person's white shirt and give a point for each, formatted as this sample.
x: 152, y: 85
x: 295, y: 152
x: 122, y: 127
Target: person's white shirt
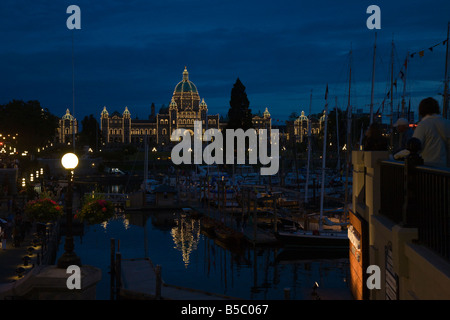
x: 433, y: 131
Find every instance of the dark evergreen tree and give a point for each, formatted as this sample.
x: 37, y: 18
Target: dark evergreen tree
x: 239, y: 114
x: 293, y: 116
x: 90, y: 135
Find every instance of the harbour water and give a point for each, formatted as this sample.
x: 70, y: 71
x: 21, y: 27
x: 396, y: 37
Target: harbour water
x: 191, y: 259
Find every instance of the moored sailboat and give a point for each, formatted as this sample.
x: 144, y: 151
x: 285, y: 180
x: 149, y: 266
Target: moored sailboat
x: 321, y: 238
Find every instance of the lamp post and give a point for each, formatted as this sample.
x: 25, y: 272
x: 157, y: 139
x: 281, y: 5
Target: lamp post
x: 69, y: 161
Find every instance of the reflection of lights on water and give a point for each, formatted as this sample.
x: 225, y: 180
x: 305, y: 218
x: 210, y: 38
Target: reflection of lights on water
x: 104, y: 224
x: 186, y: 235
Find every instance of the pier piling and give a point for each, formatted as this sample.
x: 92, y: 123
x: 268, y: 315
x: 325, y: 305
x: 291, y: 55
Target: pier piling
x: 287, y: 293
x: 112, y: 267
x: 118, y: 274
x: 158, y: 282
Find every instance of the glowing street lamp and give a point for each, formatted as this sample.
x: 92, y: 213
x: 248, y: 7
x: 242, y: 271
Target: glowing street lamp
x: 69, y: 161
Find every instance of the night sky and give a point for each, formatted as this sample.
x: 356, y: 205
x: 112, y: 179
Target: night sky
x: 133, y: 53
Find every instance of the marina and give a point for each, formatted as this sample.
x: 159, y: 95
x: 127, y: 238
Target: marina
x: 190, y: 259
x: 205, y: 216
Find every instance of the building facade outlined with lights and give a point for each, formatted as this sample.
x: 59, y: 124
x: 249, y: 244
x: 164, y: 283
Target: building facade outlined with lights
x: 185, y: 107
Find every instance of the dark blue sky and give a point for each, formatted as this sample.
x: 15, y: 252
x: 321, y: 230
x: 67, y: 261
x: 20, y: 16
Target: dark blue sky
x: 132, y: 53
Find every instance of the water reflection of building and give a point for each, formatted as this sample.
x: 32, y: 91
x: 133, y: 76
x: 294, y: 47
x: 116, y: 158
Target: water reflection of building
x: 186, y: 236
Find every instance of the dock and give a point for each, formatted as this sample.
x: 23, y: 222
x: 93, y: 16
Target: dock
x: 140, y: 279
x: 252, y: 233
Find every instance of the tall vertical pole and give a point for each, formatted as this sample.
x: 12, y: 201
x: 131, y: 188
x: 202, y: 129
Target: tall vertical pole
x: 392, y: 96
x: 324, y: 156
x: 337, y: 137
x: 349, y: 133
x: 146, y: 158
x: 445, y: 102
x: 69, y: 257
x: 73, y: 90
x: 309, y: 150
x: 373, y: 78
x: 113, y: 267
x: 404, y: 87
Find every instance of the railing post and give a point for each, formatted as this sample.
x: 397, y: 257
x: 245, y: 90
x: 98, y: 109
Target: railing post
x: 158, y: 282
x: 409, y: 210
x: 287, y: 293
x: 118, y: 274
x: 113, y: 267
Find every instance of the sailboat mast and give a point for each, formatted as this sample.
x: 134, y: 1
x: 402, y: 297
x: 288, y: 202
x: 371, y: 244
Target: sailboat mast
x: 445, y: 102
x: 309, y: 149
x: 349, y: 132
x: 145, y: 160
x: 337, y: 137
x: 404, y: 87
x: 373, y: 78
x: 324, y: 156
x: 392, y: 96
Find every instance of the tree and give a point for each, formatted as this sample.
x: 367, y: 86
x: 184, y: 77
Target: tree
x: 35, y: 125
x: 90, y: 135
x: 293, y: 116
x: 239, y: 114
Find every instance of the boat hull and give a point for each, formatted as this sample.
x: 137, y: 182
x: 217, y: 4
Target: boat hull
x: 306, y: 239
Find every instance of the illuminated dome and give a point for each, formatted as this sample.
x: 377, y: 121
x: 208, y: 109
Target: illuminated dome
x: 68, y: 116
x: 126, y: 112
x: 185, y: 94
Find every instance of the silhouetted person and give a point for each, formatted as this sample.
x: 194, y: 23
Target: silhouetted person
x: 374, y: 140
x: 404, y: 133
x: 433, y: 131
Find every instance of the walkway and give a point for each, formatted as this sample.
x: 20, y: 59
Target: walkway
x: 12, y: 257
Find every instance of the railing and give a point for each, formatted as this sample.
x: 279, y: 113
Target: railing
x: 418, y: 196
x: 392, y: 190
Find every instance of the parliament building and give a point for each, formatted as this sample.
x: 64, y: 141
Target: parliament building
x: 185, y: 108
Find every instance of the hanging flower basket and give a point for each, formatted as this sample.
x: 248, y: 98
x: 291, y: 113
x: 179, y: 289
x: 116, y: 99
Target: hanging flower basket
x: 95, y: 210
x: 43, y: 210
